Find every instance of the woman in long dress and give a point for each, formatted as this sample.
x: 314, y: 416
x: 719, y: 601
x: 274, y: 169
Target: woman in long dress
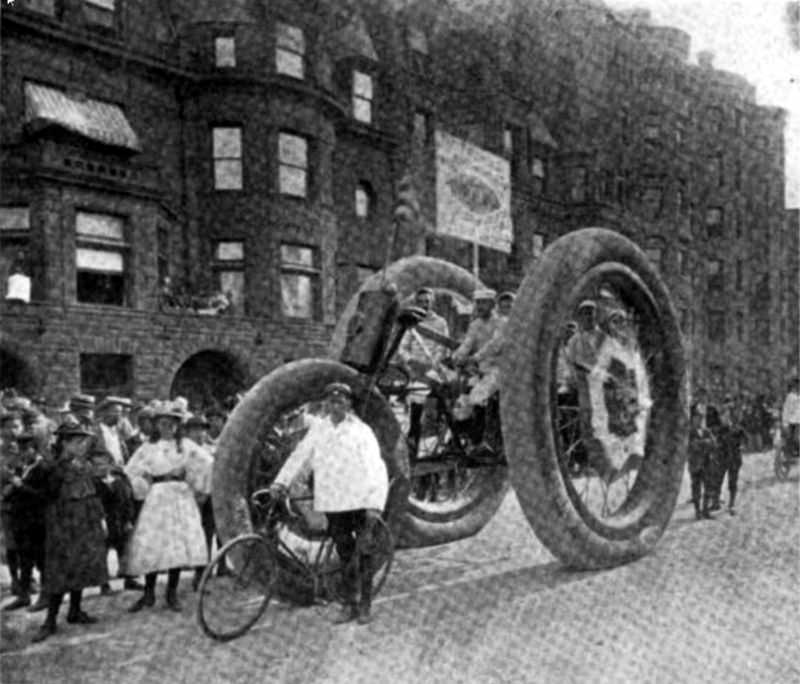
x: 166, y: 474
x: 75, y: 546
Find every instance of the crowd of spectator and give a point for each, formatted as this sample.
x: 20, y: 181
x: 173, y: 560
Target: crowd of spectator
x: 90, y: 477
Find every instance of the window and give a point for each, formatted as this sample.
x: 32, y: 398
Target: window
x: 738, y: 174
x: 100, y: 258
x: 163, y: 248
x: 299, y: 281
x: 714, y: 222
x: 362, y: 97
x: 739, y: 274
x: 15, y: 238
x: 716, y: 325
x: 538, y: 245
x: 680, y: 201
x: 227, y: 150
x: 578, y: 185
x: 99, y: 12
x: 508, y: 142
x: 290, y: 50
x: 682, y: 262
x: 740, y: 326
x: 651, y: 202
x: 225, y: 51
x: 106, y: 374
x: 292, y: 164
x: 229, y: 269
x: 420, y: 129
x: 363, y: 199
x: 715, y: 275
x: 538, y: 175
x: 654, y: 255
x: 741, y: 122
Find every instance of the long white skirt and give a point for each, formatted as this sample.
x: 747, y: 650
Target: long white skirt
x: 168, y: 533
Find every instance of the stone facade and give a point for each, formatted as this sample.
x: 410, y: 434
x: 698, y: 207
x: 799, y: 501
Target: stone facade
x: 602, y: 117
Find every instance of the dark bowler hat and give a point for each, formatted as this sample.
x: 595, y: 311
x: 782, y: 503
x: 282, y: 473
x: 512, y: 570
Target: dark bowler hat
x: 26, y: 438
x: 72, y: 427
x: 340, y: 388
x: 81, y: 401
x: 506, y: 295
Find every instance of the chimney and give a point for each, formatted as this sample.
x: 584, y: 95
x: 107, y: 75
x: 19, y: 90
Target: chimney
x: 705, y: 58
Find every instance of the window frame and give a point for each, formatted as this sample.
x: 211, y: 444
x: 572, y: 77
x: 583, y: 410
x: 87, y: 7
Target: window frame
x: 220, y: 266
x: 292, y: 166
x: 217, y: 62
x: 364, y: 187
x: 357, y: 97
x: 287, y: 46
x: 225, y: 159
x: 122, y: 247
x: 98, y: 14
x: 300, y: 269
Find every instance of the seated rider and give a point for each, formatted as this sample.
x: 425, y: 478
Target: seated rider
x: 419, y: 356
x: 790, y: 417
x: 350, y: 486
x: 472, y: 348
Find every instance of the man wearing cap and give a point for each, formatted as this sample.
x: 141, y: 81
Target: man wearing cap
x: 730, y: 436
x: 420, y: 355
x: 582, y: 348
x: 350, y: 486
x: 790, y: 416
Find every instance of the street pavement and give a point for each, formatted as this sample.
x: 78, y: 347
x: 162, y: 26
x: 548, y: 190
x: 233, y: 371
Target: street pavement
x: 717, y: 601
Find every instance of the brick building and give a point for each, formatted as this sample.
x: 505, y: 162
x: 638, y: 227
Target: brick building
x: 253, y: 148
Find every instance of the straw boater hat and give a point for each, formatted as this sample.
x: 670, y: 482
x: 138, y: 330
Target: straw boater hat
x: 168, y: 409
x: 484, y: 293
x: 108, y: 402
x: 587, y: 304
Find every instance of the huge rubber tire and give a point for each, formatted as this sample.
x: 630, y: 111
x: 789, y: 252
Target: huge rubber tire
x: 545, y: 302
x: 284, y: 388
x: 420, y: 525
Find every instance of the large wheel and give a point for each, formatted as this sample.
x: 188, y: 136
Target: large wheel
x: 460, y: 503
x: 629, y: 424
x: 236, y: 587
x: 269, y: 421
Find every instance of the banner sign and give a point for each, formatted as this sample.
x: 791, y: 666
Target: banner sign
x: 473, y: 193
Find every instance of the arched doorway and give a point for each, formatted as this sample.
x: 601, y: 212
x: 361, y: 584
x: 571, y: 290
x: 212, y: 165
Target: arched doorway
x: 17, y: 373
x: 209, y: 378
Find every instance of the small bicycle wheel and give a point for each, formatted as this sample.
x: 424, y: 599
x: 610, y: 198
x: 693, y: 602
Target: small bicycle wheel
x: 236, y: 587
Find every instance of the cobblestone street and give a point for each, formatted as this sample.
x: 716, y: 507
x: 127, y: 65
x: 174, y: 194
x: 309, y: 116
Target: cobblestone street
x: 718, y: 601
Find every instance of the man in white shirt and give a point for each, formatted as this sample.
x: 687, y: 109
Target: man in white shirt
x: 351, y: 485
x: 790, y: 416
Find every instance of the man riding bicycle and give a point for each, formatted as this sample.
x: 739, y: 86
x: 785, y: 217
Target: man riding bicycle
x: 351, y: 485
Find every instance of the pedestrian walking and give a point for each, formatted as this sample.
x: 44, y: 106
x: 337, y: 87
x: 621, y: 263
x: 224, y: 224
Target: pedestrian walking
x: 166, y: 473
x: 350, y: 487
x: 701, y: 458
x: 75, y: 549
x: 730, y: 439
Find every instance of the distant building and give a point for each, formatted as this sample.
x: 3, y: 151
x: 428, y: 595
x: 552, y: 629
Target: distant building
x: 165, y: 161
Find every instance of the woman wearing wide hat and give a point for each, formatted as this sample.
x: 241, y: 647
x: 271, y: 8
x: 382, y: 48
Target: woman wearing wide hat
x: 166, y: 475
x: 75, y: 549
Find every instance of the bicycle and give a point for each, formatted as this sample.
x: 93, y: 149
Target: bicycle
x: 251, y: 569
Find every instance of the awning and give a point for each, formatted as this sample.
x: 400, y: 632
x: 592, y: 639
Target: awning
x: 93, y: 119
x: 539, y: 131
